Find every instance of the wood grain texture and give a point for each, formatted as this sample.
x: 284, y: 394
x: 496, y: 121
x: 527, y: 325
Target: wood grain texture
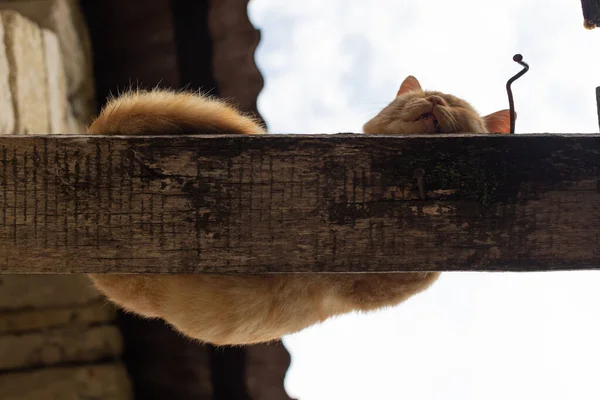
x: 299, y: 203
x: 591, y: 13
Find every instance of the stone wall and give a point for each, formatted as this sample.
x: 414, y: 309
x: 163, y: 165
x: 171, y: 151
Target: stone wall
x: 46, y: 79
x: 58, y: 340
x: 58, y: 336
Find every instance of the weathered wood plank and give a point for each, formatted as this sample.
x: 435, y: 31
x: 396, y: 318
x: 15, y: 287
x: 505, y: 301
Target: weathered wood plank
x: 298, y: 203
x: 591, y: 13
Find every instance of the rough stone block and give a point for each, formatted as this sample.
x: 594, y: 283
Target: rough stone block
x: 106, y: 381
x: 74, y: 124
x: 27, y: 73
x: 7, y: 111
x: 45, y: 291
x: 64, y: 18
x: 64, y: 345
x: 43, y: 319
x: 58, y: 104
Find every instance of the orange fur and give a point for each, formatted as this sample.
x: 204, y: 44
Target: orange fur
x: 162, y: 112
x: 233, y: 309
x: 415, y: 110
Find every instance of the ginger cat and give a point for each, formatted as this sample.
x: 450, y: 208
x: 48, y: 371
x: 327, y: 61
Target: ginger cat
x: 246, y: 309
x: 415, y: 110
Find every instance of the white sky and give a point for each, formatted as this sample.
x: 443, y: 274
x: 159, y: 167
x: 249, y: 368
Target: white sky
x: 329, y: 66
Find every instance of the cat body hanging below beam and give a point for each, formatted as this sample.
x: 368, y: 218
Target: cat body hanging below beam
x: 245, y: 309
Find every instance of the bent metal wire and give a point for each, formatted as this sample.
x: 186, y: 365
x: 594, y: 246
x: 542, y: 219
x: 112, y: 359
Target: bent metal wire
x: 511, y: 104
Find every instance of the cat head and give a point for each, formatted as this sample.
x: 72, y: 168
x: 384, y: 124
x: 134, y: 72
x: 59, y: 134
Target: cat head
x: 415, y: 110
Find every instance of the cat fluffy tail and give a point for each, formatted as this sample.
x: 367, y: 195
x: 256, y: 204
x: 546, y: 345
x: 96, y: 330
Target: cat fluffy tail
x: 160, y: 112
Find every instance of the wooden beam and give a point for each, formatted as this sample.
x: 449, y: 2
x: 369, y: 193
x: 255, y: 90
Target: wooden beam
x: 591, y: 13
x: 299, y: 203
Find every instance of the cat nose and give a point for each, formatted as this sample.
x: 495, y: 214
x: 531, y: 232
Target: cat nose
x: 436, y: 100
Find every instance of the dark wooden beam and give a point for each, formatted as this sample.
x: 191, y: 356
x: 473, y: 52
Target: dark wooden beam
x: 591, y: 13
x: 299, y: 203
x: 193, y: 41
x: 133, y: 45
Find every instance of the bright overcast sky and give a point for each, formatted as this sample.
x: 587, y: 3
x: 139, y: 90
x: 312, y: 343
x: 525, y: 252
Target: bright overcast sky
x: 329, y: 66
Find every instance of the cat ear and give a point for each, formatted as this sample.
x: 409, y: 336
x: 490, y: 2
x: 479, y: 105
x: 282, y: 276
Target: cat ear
x: 410, y: 83
x: 498, y: 122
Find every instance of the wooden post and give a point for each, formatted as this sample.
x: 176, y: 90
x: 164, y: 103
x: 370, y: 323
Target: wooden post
x: 299, y: 203
x: 591, y: 13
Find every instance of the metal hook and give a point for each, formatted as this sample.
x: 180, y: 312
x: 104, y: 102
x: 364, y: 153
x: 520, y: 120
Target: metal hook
x: 511, y: 104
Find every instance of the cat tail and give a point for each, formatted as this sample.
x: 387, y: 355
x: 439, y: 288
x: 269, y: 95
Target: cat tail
x: 163, y: 112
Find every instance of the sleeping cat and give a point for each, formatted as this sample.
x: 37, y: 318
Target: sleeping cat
x: 415, y: 110
x: 246, y: 309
